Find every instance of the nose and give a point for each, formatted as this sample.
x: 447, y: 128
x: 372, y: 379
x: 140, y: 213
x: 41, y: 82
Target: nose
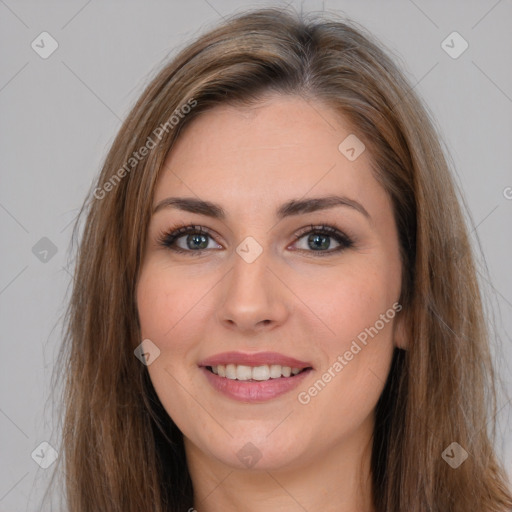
x: 253, y: 297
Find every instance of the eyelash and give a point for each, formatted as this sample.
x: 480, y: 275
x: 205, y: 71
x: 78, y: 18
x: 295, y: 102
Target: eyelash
x: 168, y: 238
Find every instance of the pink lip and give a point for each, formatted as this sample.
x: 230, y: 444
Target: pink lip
x: 250, y: 391
x: 255, y: 359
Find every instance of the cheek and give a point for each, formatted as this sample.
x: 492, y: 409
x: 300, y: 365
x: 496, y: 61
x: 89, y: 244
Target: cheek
x: 351, y: 299
x: 166, y: 304
x: 166, y: 301
x: 358, y: 306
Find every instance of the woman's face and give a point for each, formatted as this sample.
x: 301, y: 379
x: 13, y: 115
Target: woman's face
x: 281, y: 277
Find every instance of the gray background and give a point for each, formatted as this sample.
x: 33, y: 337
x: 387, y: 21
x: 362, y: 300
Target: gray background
x: 59, y: 116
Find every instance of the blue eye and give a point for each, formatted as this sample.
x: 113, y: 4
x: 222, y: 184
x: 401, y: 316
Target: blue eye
x: 195, y: 237
x: 319, y: 237
x: 196, y: 240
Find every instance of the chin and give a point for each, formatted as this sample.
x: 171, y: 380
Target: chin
x: 267, y: 452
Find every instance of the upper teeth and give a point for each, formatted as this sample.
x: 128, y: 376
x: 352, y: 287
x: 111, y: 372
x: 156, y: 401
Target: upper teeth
x: 264, y: 372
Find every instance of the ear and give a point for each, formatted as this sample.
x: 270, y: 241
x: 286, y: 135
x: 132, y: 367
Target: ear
x: 400, y: 331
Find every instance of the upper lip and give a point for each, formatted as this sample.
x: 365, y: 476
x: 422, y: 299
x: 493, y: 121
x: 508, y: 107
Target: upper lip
x: 254, y: 359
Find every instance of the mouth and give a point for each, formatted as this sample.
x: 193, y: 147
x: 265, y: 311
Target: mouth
x: 253, y: 378
x: 255, y: 373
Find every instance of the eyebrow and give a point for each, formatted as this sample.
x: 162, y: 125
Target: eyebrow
x: 292, y: 207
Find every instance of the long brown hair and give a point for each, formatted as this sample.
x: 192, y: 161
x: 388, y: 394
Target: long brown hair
x: 121, y: 450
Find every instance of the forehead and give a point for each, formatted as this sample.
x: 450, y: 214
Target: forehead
x: 283, y: 146
x: 277, y: 125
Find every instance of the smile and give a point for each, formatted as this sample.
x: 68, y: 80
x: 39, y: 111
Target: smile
x: 254, y: 373
x: 254, y: 377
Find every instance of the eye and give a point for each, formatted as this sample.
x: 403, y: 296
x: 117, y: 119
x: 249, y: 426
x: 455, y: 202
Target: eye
x: 189, y: 239
x: 318, y: 238
x: 196, y: 239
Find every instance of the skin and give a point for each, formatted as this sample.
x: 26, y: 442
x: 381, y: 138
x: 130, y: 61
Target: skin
x: 314, y: 456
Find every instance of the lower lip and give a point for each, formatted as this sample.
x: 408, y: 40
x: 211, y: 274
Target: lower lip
x: 254, y: 391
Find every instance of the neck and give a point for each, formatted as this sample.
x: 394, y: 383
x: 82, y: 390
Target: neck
x: 337, y: 480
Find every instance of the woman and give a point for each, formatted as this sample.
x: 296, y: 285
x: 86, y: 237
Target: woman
x: 275, y: 303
